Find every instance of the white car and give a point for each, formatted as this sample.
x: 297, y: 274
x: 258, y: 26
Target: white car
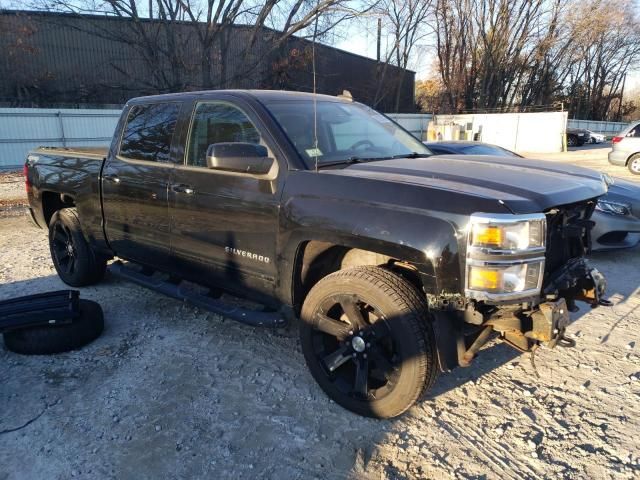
x: 596, y: 137
x: 625, y: 148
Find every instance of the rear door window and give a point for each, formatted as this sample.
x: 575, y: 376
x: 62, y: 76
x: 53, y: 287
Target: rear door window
x: 149, y: 131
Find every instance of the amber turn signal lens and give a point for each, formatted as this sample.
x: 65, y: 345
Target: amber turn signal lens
x: 484, y: 279
x: 487, y: 235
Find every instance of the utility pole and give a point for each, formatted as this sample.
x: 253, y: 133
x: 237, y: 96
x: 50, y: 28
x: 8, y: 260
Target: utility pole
x: 624, y: 80
x: 379, y: 37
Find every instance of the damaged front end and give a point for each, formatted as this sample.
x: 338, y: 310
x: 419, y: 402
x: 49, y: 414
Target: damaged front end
x: 524, y: 275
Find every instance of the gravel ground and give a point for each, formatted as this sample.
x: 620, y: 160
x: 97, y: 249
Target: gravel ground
x: 13, y: 197
x: 170, y: 391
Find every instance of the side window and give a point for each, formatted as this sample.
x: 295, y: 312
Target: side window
x: 217, y: 123
x: 635, y: 132
x: 148, y: 132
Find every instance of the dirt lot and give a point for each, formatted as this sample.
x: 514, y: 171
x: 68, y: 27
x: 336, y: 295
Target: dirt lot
x: 170, y: 391
x: 589, y: 156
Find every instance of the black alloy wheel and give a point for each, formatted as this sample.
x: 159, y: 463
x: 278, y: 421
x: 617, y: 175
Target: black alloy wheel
x: 63, y: 248
x: 367, y: 339
x: 75, y: 261
x: 353, y: 344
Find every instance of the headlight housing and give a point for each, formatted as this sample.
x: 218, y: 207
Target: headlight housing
x: 613, y: 208
x: 505, y: 256
x: 507, y: 234
x: 505, y: 277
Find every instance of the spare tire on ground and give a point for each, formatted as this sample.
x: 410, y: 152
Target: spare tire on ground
x: 48, y: 339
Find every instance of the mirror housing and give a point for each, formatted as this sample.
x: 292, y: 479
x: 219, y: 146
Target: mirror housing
x: 239, y: 157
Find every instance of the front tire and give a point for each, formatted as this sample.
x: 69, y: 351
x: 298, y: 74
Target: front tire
x: 368, y: 342
x: 74, y: 260
x: 634, y: 164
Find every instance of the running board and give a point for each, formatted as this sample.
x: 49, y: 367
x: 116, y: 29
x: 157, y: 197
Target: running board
x: 247, y: 316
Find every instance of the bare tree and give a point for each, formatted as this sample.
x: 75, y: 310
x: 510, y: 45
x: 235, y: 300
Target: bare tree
x: 405, y: 23
x: 505, y: 54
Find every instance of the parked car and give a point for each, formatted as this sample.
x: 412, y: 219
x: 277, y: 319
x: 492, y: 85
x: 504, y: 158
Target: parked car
x: 625, y: 148
x: 577, y: 137
x: 596, y: 137
x: 395, y: 266
x: 617, y: 214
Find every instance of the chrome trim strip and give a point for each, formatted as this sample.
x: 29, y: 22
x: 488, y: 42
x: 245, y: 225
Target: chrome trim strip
x: 492, y: 251
x: 503, y: 263
x: 501, y: 297
x: 505, y: 217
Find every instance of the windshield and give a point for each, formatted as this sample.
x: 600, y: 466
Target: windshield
x: 346, y: 132
x: 487, y: 150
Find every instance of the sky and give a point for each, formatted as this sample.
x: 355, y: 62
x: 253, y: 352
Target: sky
x: 360, y: 38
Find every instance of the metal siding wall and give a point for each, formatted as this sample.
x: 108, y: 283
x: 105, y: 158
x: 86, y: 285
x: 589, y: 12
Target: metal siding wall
x: 69, y: 61
x: 23, y: 129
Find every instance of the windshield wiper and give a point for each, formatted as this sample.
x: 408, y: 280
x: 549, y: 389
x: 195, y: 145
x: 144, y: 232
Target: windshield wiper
x: 350, y: 161
x: 412, y: 155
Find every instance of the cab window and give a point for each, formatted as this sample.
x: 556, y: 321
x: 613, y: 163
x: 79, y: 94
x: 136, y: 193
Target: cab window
x: 217, y: 122
x: 149, y: 131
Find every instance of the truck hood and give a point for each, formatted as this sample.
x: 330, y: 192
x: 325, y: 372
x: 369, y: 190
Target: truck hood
x: 524, y: 186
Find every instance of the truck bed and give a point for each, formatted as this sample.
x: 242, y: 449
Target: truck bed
x: 97, y: 153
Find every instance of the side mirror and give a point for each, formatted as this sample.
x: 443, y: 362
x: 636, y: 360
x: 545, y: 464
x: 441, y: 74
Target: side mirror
x: 239, y: 157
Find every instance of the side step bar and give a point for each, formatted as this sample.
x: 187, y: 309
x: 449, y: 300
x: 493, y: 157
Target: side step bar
x: 51, y: 308
x: 247, y: 316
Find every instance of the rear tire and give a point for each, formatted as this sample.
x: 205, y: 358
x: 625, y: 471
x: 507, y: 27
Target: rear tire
x: 572, y: 140
x: 368, y: 342
x: 48, y: 339
x: 634, y: 164
x: 74, y: 260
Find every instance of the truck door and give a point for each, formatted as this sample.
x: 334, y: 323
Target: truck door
x: 224, y: 225
x: 134, y: 184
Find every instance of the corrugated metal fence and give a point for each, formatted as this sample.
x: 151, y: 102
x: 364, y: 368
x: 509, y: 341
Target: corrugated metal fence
x: 605, y: 128
x: 22, y: 129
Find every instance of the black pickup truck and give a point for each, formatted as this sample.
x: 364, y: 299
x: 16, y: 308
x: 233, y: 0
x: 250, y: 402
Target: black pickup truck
x: 397, y: 264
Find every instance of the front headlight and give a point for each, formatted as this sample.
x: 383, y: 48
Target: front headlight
x: 504, y: 260
x: 613, y: 208
x: 508, y: 233
x: 505, y: 278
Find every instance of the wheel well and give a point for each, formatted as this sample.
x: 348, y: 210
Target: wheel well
x: 52, y: 202
x: 631, y: 157
x: 315, y: 260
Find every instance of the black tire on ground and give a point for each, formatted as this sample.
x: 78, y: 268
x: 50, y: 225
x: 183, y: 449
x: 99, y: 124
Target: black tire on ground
x: 74, y: 260
x: 572, y: 141
x: 368, y: 341
x: 48, y: 339
x: 634, y: 164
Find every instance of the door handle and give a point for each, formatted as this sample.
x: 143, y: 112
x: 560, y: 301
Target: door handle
x: 180, y: 188
x: 111, y: 178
